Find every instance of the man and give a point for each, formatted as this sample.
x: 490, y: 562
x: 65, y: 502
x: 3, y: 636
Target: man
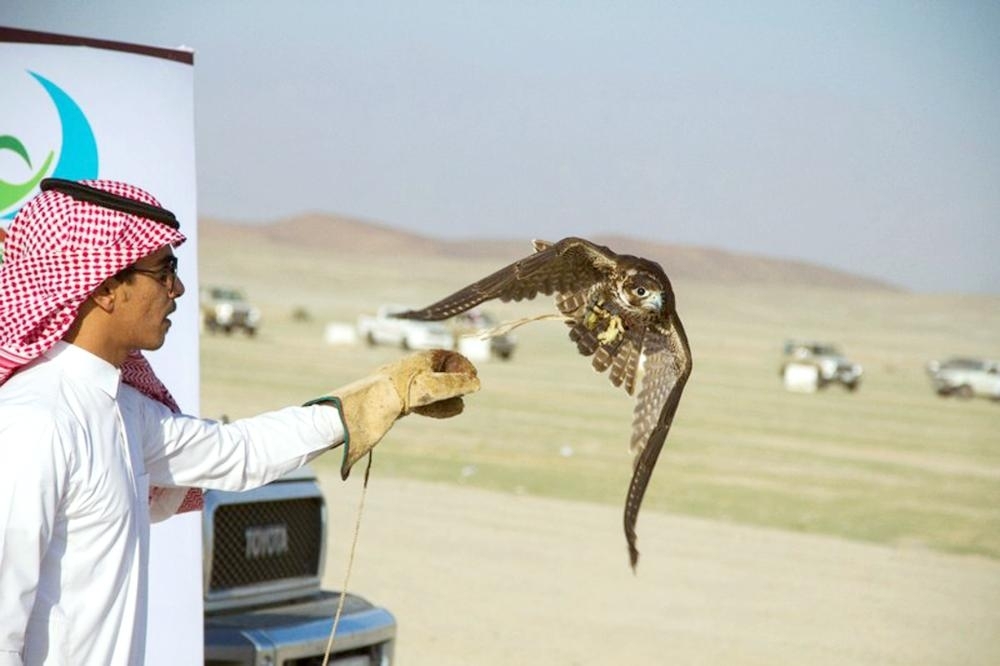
x: 87, y: 430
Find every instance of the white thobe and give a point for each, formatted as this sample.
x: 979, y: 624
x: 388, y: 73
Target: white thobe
x: 78, y: 453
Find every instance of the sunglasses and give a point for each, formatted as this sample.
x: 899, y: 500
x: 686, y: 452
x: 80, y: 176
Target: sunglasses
x: 165, y: 275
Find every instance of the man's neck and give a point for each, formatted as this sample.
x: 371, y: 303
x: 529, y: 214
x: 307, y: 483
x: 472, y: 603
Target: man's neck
x: 93, y: 340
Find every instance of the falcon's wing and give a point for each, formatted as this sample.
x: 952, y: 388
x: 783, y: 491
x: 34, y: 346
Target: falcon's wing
x: 568, y: 265
x: 667, y: 368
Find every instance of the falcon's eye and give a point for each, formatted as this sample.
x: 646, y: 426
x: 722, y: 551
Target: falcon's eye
x: 641, y: 291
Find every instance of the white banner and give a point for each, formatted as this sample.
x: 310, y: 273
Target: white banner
x: 76, y: 108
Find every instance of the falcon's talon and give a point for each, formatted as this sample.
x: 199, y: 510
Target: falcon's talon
x: 594, y: 316
x: 614, y: 330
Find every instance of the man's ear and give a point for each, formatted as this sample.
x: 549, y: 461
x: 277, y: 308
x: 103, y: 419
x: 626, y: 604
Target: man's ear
x: 104, y: 296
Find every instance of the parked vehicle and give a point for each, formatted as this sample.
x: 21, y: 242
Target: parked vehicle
x: 966, y: 377
x: 225, y: 309
x: 831, y: 366
x: 264, y: 553
x: 384, y: 329
x: 475, y: 321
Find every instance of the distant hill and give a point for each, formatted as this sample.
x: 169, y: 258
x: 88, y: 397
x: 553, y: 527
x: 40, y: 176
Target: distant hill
x: 342, y: 235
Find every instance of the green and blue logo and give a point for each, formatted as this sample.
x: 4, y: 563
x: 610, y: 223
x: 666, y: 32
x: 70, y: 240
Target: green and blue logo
x: 77, y: 155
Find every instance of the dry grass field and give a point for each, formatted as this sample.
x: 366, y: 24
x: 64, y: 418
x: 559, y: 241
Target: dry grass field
x: 892, y: 467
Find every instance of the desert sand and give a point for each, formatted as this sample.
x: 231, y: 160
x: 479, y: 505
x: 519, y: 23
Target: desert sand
x: 492, y: 578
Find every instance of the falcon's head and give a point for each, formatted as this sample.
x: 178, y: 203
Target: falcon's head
x: 646, y: 288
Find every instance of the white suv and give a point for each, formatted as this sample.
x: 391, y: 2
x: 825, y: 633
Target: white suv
x: 830, y: 365
x: 966, y: 377
x: 224, y: 309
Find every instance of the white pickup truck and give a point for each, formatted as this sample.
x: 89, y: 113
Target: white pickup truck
x: 966, y: 377
x: 384, y: 329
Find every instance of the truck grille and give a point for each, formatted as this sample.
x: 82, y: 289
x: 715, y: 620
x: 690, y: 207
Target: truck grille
x: 263, y: 542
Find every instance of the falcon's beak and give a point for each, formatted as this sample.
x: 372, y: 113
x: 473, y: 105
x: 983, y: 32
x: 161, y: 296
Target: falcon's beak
x: 656, y: 301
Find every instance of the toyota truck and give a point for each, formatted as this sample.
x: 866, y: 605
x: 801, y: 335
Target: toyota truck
x: 264, y: 553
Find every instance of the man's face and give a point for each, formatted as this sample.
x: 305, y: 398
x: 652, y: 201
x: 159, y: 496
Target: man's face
x: 145, y: 298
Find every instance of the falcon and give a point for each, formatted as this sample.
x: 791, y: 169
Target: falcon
x: 620, y: 310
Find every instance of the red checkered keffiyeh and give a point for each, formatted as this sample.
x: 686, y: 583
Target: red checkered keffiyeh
x: 58, y: 250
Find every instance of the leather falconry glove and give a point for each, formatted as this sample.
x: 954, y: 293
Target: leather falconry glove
x: 429, y: 383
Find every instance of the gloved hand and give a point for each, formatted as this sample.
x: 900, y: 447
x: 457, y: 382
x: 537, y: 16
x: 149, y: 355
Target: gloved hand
x: 430, y: 383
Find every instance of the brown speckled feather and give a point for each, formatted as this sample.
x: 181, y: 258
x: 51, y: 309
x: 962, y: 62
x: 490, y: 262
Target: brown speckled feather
x: 569, y: 265
x: 620, y: 311
x: 667, y: 368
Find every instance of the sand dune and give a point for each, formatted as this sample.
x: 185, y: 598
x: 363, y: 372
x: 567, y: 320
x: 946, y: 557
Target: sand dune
x: 340, y: 234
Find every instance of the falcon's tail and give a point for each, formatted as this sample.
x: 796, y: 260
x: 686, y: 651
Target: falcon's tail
x: 637, y: 489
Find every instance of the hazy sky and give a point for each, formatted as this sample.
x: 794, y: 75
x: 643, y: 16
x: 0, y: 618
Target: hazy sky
x: 859, y: 135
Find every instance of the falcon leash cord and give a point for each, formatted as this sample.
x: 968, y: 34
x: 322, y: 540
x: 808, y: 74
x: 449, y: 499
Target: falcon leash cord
x: 508, y: 326
x: 350, y: 564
